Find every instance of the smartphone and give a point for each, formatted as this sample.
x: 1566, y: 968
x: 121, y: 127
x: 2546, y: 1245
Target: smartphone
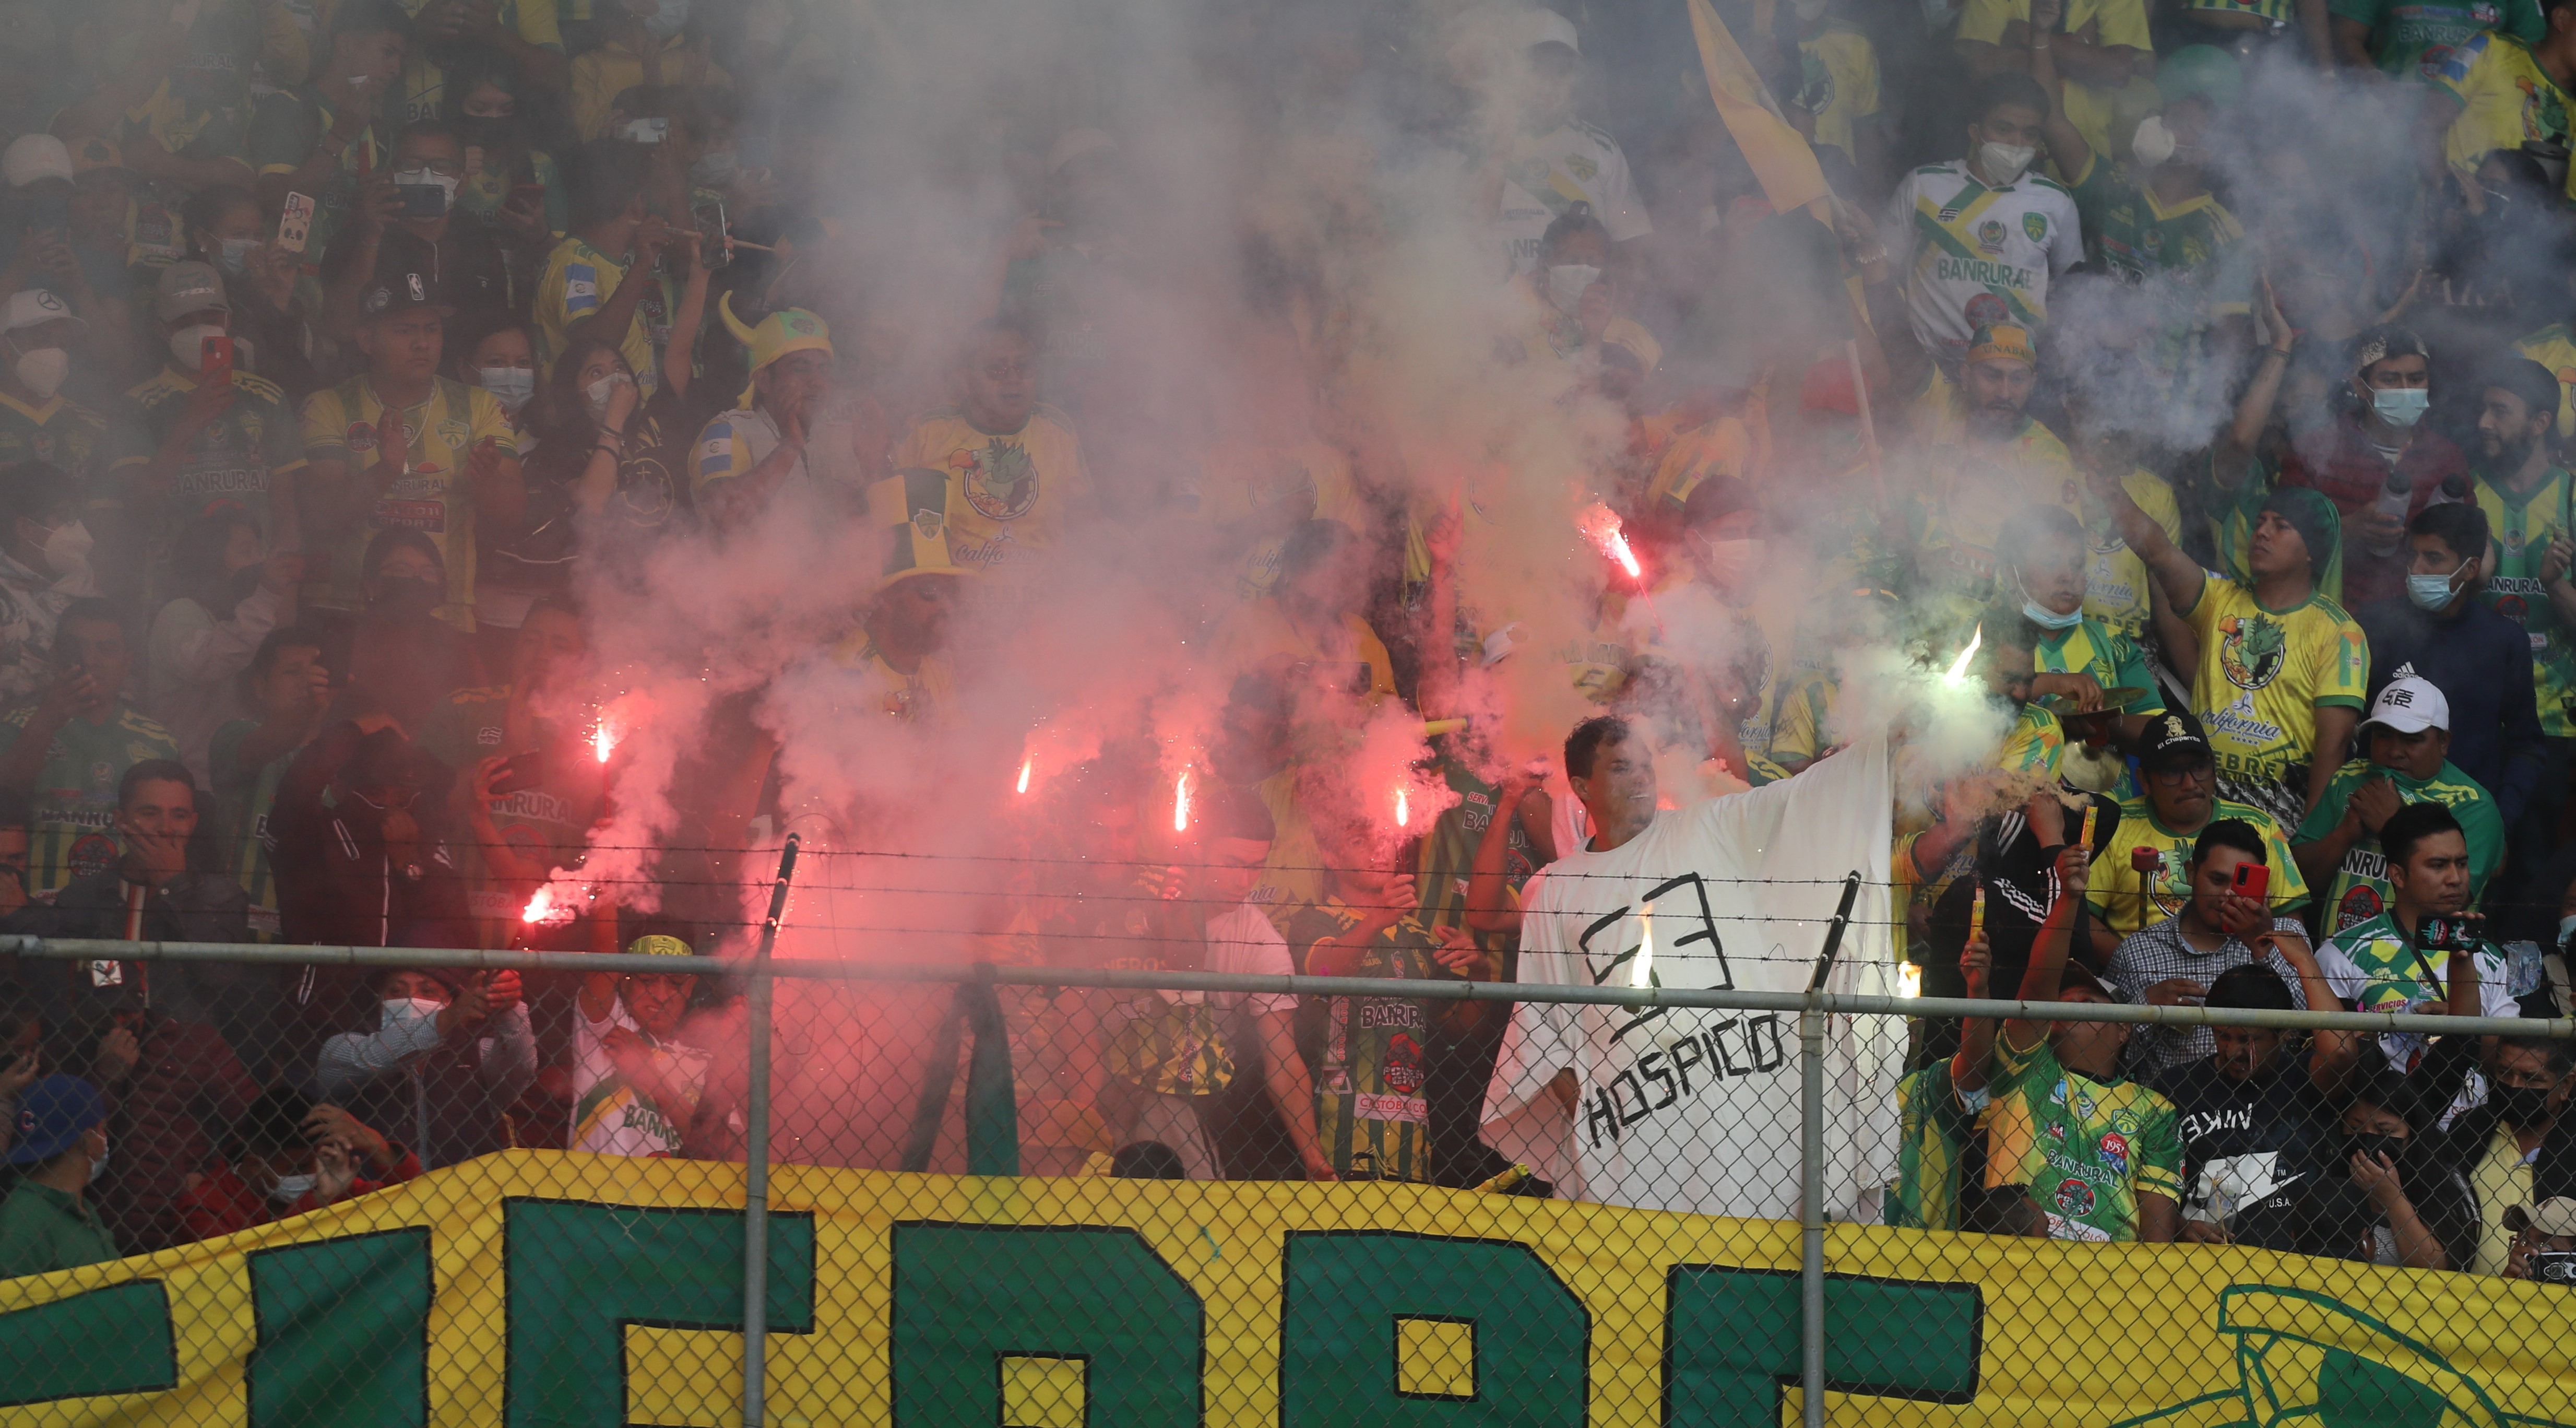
x: 2447, y: 934
x: 51, y: 212
x: 2146, y: 860
x: 523, y: 772
x: 2554, y: 1267
x: 215, y: 368
x: 709, y: 219
x: 420, y: 200
x: 295, y: 223
x: 2252, y: 880
x: 645, y: 131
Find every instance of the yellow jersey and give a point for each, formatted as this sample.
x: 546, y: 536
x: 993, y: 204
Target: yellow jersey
x: 1257, y: 633
x: 343, y: 424
x: 2115, y: 577
x: 1838, y: 83
x: 2264, y: 673
x: 579, y: 280
x: 926, y: 696
x: 1720, y: 446
x: 2090, y: 108
x: 1253, y: 494
x: 2554, y: 347
x: 2506, y: 100
x: 2128, y: 901
x: 1006, y: 490
x: 1975, y: 485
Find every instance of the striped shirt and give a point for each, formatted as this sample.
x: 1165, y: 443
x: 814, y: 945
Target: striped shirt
x: 2160, y: 954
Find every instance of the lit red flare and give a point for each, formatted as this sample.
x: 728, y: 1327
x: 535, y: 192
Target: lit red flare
x: 1181, y: 803
x: 541, y: 906
x: 1601, y: 526
x: 1024, y: 774
x: 602, y: 742
x: 1403, y: 809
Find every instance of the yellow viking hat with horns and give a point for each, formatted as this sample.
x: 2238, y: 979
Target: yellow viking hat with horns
x: 790, y: 329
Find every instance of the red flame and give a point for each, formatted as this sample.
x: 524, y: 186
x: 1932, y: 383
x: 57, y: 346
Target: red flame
x: 1024, y: 774
x: 1403, y: 809
x: 1181, y: 803
x: 1601, y: 526
x: 541, y: 906
x: 601, y: 741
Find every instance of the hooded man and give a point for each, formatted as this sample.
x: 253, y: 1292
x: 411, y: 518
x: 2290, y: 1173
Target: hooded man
x: 746, y: 455
x: 2282, y: 668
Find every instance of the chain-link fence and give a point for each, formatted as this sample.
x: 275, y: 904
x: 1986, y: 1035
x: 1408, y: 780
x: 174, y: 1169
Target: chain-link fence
x: 549, y: 1188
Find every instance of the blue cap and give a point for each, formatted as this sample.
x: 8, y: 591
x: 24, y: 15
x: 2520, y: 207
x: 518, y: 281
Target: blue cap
x: 52, y: 1114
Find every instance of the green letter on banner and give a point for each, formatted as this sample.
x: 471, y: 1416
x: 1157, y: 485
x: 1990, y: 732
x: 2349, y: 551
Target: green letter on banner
x: 343, y: 1332
x: 970, y: 1298
x: 106, y: 1341
x: 1369, y: 1334
x: 1731, y: 1342
x: 578, y: 1274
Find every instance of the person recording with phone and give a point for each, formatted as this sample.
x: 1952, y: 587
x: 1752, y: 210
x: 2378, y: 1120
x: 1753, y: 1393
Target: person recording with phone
x: 2227, y: 923
x: 437, y: 1061
x: 2422, y: 954
x: 2544, y: 1241
x: 405, y: 222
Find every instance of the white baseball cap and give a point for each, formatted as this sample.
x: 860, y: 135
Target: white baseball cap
x: 2410, y: 704
x: 34, y: 307
x: 30, y: 157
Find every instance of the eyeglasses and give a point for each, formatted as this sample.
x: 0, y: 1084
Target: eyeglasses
x: 1004, y: 371
x: 2176, y: 778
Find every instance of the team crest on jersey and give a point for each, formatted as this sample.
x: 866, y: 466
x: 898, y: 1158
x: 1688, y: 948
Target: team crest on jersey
x: 2036, y: 225
x: 1001, y: 480
x: 1582, y: 167
x: 1403, y: 1069
x: 362, y: 438
x: 43, y: 445
x: 2074, y: 1198
x: 1990, y: 236
x: 2359, y: 904
x: 2252, y: 649
x: 453, y: 432
x: 1985, y: 310
x: 2513, y: 541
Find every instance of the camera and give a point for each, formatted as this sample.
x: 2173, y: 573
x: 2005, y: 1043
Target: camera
x: 2554, y: 1267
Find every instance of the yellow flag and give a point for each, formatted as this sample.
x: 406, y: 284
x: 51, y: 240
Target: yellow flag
x: 1778, y: 153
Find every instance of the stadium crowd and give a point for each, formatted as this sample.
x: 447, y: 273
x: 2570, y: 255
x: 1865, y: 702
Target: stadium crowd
x: 356, y: 357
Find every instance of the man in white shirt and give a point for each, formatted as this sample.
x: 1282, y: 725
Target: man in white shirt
x: 1979, y: 239
x: 1691, y: 1110
x: 1553, y: 159
x: 635, y: 1088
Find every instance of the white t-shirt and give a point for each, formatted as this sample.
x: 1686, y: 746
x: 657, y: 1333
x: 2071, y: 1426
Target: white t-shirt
x: 1571, y: 162
x: 1698, y: 1111
x: 613, y: 1118
x: 1974, y: 256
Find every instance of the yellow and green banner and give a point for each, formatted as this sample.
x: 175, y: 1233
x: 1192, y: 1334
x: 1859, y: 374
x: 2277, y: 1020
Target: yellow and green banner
x: 540, y: 1288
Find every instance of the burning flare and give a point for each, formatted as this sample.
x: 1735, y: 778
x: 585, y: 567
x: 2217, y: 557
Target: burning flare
x: 1181, y: 803
x: 1024, y: 774
x: 1600, y: 525
x: 1403, y: 809
x: 1959, y: 667
x: 1642, y: 972
x: 602, y: 741
x: 541, y: 907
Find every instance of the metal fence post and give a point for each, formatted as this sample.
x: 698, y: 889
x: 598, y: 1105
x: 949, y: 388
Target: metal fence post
x: 755, y: 1178
x: 1811, y: 1167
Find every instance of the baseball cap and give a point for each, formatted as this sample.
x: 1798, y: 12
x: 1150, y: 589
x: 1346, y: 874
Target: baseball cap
x: 656, y: 944
x: 400, y: 291
x: 2172, y: 735
x: 34, y: 307
x: 2409, y: 705
x: 2203, y: 72
x: 188, y: 287
x: 31, y: 157
x: 2005, y: 341
x: 2553, y: 1216
x: 96, y: 152
x: 52, y: 1114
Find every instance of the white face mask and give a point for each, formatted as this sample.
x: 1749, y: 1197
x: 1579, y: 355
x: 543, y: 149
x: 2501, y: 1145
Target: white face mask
x: 2002, y: 163
x: 510, y: 386
x: 2566, y: 925
x: 291, y: 1188
x: 188, y: 345
x: 67, y: 549
x: 98, y: 1167
x: 596, y: 395
x: 1732, y: 562
x: 1566, y: 283
x: 403, y: 1011
x: 43, y: 370
x: 2153, y: 143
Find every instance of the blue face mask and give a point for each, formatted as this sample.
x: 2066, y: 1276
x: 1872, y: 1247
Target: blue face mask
x: 2566, y: 926
x: 2400, y: 406
x: 2048, y: 619
x: 2431, y: 592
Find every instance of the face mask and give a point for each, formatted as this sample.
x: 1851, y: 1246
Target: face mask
x: 715, y: 168
x: 188, y: 345
x: 409, y: 597
x: 2004, y: 162
x: 2431, y: 592
x: 43, y: 370
x: 596, y: 395
x: 1566, y: 283
x: 1732, y: 561
x: 404, y: 1011
x: 67, y: 549
x: 669, y: 19
x: 291, y: 1188
x: 233, y: 255
x: 98, y: 1167
x: 446, y: 185
x: 2566, y: 926
x: 2400, y: 406
x: 2375, y: 1145
x: 2153, y: 143
x: 511, y: 386
x: 2520, y: 1105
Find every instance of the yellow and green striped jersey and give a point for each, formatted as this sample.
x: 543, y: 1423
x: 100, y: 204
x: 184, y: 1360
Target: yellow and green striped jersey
x: 2087, y: 1149
x: 2360, y: 891
x: 2114, y: 661
x: 2506, y: 99
x: 2521, y: 525
x: 1371, y: 1107
x: 1933, y: 1128
x: 73, y: 829
x: 2115, y: 577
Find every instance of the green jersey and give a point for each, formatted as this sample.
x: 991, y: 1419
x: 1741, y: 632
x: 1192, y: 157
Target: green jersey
x: 233, y: 464
x: 1448, y: 858
x: 244, y: 798
x: 2086, y: 1148
x: 2409, y: 39
x: 43, y: 1229
x: 2113, y: 659
x: 73, y: 831
x: 1370, y: 1106
x: 2359, y: 891
x: 2191, y: 259
x: 2523, y: 523
x: 60, y: 433
x: 1933, y: 1128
